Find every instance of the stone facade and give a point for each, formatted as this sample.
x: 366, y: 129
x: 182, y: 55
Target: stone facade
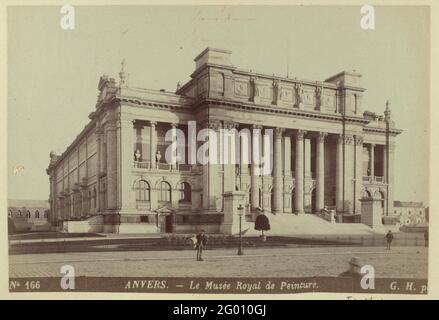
x: 327, y: 151
x: 28, y: 215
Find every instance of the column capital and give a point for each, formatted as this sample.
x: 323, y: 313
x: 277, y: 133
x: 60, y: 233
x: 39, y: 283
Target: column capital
x: 257, y: 127
x: 278, y: 132
x: 348, y: 139
x: 212, y: 124
x: 230, y: 125
x: 300, y: 134
x: 152, y: 123
x: 174, y: 125
x: 359, y: 139
x: 321, y: 136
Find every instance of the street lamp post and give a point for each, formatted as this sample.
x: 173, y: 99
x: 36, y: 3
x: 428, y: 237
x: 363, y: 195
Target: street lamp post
x: 240, y: 213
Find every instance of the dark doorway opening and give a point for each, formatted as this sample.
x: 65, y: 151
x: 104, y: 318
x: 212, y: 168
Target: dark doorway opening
x: 169, y: 223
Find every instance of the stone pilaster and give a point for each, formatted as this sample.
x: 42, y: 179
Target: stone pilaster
x: 372, y: 161
x: 99, y: 165
x: 111, y: 166
x: 127, y: 199
x: 391, y: 179
x: 277, y: 172
x: 299, y: 171
x: 320, y: 171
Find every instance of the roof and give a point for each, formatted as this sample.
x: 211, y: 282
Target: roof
x: 28, y: 203
x: 408, y: 204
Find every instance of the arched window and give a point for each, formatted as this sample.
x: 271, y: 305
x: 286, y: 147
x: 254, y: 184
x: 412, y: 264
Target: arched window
x: 10, y: 213
x: 37, y: 214
x: 19, y: 213
x: 185, y: 192
x: 165, y: 192
x: 142, y: 191
x: 28, y: 213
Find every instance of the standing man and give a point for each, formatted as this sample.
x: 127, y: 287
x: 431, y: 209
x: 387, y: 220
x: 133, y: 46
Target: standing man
x: 201, y: 242
x: 389, y: 238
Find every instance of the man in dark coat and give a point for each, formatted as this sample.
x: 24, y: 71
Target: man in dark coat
x: 201, y: 243
x: 389, y: 239
x: 354, y: 270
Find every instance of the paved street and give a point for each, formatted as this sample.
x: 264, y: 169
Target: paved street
x: 400, y: 262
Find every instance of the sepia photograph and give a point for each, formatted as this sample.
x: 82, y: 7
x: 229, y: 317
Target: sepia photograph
x: 218, y: 149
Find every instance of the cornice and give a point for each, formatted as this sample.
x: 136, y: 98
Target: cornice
x: 392, y: 131
x: 282, y: 111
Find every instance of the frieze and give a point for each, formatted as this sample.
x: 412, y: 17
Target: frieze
x: 241, y: 88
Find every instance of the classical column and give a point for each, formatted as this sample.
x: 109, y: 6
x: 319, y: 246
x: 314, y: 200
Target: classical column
x: 244, y: 141
x: 299, y: 171
x: 349, y: 170
x: 385, y: 164
x: 255, y: 165
x: 339, y: 174
x: 358, y: 172
x: 153, y: 144
x: 174, y: 142
x: 228, y: 155
x: 320, y: 172
x: 277, y: 171
x: 372, y: 161
x: 287, y: 155
x: 111, y: 166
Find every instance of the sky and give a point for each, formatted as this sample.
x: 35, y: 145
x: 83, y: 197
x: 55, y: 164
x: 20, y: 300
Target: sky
x: 53, y: 73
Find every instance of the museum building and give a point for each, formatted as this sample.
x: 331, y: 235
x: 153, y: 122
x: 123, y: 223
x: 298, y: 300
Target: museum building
x: 327, y: 153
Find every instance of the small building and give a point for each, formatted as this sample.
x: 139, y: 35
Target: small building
x: 28, y: 215
x: 410, y: 213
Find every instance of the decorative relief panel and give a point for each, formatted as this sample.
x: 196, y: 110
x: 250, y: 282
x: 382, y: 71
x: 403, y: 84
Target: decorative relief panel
x: 263, y: 91
x: 308, y: 97
x: 329, y: 102
x: 241, y: 88
x: 287, y: 95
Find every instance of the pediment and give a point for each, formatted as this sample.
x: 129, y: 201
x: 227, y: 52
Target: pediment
x: 165, y: 210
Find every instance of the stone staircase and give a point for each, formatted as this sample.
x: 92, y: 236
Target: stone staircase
x: 288, y: 224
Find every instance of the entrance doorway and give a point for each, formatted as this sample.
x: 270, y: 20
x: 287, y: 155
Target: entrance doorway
x: 169, y: 223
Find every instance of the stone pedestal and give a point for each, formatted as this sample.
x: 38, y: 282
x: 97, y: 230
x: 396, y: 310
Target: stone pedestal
x: 371, y: 212
x: 232, y: 200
